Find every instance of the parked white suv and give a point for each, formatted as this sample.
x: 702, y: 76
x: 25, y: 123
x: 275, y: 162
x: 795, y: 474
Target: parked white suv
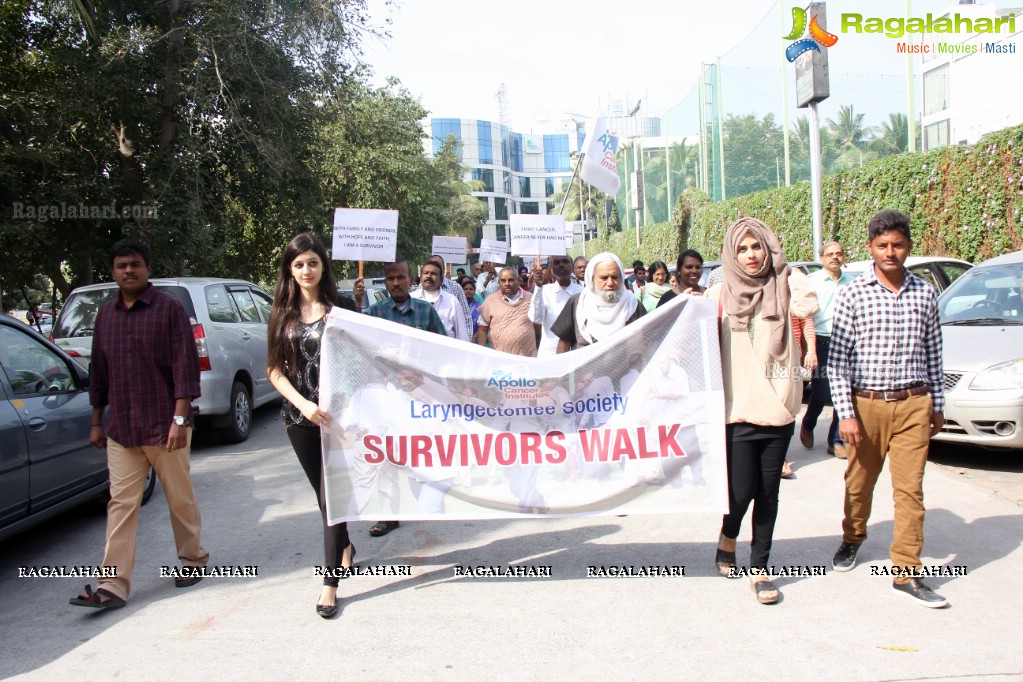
x: 229, y: 318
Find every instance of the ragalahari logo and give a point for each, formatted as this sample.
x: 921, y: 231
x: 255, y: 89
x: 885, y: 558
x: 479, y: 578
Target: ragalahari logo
x: 818, y: 36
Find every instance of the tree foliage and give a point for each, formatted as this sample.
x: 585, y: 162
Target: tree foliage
x: 214, y: 131
x: 753, y: 150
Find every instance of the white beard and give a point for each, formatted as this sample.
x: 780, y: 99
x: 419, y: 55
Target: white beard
x: 612, y: 296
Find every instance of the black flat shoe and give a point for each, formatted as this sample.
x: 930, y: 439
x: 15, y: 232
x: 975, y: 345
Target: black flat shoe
x: 326, y: 610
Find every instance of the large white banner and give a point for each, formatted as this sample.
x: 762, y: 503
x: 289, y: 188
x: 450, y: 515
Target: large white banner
x: 427, y: 427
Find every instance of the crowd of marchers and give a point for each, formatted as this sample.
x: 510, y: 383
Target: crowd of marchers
x: 871, y: 344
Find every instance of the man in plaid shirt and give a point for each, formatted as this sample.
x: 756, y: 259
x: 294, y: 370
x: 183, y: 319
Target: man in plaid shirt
x: 144, y: 376
x: 411, y: 312
x: 887, y: 386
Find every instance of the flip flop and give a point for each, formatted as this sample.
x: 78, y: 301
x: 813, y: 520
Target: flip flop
x: 382, y: 528
x: 92, y: 599
x: 766, y: 591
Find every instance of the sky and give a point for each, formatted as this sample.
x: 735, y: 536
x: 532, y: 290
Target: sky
x: 557, y: 57
x: 553, y: 56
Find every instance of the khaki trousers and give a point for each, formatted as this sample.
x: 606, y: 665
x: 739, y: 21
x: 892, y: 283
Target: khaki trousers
x: 901, y: 430
x: 128, y: 468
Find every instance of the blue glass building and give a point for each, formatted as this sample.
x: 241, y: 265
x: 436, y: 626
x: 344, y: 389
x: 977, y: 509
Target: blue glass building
x: 520, y: 172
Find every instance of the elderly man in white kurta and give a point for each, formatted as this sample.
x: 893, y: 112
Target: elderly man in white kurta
x: 549, y: 300
x: 449, y: 310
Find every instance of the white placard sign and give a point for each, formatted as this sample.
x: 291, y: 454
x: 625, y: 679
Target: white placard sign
x: 492, y: 251
x: 533, y: 235
x: 365, y: 234
x: 451, y: 249
x: 570, y: 234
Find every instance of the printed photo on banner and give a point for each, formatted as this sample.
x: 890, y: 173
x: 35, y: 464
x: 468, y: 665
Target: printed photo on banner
x: 451, y: 249
x: 365, y: 234
x: 492, y: 251
x: 537, y: 235
x: 424, y: 427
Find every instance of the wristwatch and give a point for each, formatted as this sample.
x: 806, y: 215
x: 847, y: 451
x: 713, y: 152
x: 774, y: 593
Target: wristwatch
x: 180, y: 421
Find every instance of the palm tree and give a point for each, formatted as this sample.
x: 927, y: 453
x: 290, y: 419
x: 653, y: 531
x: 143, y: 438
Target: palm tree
x: 799, y: 138
x: 894, y: 137
x: 849, y: 131
x: 683, y: 177
x: 591, y: 199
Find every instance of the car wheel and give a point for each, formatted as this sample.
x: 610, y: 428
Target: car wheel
x: 239, y: 421
x: 147, y: 492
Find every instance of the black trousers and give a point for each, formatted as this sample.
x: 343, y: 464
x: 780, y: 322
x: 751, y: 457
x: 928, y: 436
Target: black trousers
x: 306, y: 442
x: 754, y: 475
x: 820, y: 392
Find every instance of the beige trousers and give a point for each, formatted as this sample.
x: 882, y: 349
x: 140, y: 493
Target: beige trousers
x: 128, y: 469
x: 899, y: 430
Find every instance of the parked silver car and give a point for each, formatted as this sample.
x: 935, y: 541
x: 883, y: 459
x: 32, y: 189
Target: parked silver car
x: 374, y: 294
x: 229, y: 318
x: 982, y: 332
x: 937, y: 271
x: 47, y: 464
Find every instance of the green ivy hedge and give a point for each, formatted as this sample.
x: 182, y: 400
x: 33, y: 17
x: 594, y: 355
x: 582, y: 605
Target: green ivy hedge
x: 964, y: 201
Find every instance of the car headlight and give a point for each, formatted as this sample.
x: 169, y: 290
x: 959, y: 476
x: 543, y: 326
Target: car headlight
x: 999, y: 377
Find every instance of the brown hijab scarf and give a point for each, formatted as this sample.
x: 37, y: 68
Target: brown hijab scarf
x: 741, y: 292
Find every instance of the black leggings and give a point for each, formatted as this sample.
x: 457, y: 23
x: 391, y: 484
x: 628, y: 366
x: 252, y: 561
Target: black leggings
x: 754, y: 475
x: 306, y: 442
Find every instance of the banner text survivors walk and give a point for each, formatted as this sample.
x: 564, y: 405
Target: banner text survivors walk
x: 514, y: 449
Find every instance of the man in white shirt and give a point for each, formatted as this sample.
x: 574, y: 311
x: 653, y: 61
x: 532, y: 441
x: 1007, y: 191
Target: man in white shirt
x: 447, y: 307
x: 579, y: 270
x: 487, y: 282
x: 549, y: 299
x: 453, y: 288
x: 826, y: 282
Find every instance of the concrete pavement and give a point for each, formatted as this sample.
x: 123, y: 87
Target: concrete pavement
x: 258, y: 511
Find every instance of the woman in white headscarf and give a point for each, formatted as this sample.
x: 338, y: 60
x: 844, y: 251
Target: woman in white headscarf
x: 603, y: 307
x: 760, y: 369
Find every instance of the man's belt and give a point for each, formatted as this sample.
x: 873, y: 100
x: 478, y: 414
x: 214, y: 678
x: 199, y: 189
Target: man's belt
x: 890, y: 396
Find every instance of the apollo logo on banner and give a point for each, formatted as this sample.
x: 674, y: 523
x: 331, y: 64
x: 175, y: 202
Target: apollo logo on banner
x: 599, y: 166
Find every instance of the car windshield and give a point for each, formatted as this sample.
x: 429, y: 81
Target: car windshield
x: 79, y: 313
x: 78, y: 317
x: 982, y: 296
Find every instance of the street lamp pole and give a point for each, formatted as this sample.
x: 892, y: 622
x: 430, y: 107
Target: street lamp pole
x: 637, y: 194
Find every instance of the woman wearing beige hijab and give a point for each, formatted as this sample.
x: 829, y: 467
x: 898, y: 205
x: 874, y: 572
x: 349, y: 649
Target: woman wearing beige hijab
x: 763, y: 391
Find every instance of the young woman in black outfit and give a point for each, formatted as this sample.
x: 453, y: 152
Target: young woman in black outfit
x: 305, y: 293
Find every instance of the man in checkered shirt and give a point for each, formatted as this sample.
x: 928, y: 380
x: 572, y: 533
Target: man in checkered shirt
x: 886, y: 382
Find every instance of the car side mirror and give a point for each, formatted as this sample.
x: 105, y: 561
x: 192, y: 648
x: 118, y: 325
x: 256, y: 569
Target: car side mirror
x: 81, y: 374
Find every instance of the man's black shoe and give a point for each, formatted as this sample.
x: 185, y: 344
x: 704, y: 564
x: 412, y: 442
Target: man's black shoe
x: 845, y: 557
x: 920, y: 593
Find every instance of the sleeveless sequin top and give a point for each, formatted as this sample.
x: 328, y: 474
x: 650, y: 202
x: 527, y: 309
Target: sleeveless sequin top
x: 305, y: 377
